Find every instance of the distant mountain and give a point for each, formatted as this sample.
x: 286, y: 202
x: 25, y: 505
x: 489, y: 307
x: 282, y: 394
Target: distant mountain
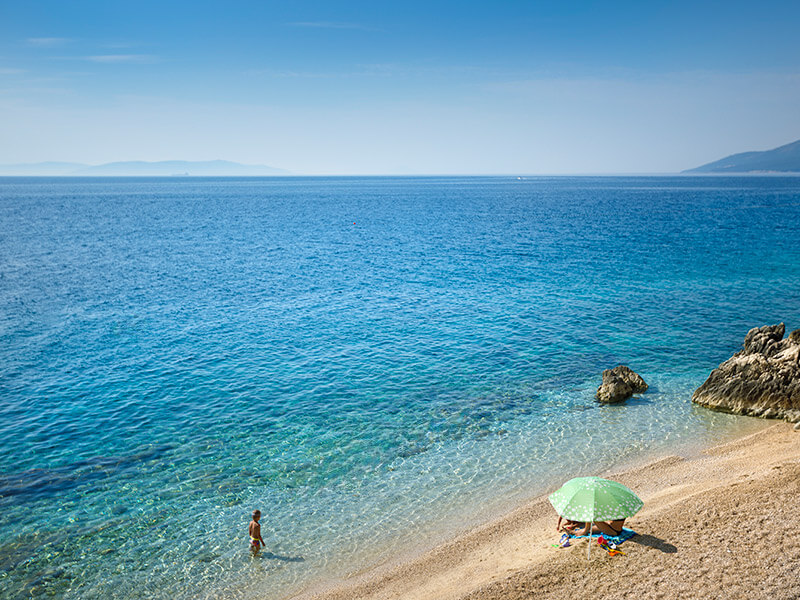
x: 785, y: 159
x: 219, y: 168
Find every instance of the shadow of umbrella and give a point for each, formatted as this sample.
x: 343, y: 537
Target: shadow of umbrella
x: 653, y: 542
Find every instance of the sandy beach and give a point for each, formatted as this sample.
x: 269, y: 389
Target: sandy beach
x: 722, y: 524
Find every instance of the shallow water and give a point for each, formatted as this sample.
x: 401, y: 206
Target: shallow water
x: 372, y: 362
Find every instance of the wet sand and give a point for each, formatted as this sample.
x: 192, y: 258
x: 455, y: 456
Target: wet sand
x: 723, y: 524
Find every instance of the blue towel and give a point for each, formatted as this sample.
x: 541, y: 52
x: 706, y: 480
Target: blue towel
x: 614, y: 539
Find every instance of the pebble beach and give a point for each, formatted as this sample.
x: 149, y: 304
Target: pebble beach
x: 721, y: 524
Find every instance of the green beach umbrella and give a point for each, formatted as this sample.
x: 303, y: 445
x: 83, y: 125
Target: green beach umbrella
x: 595, y: 499
x: 591, y: 499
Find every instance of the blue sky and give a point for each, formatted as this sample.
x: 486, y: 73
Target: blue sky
x: 399, y: 87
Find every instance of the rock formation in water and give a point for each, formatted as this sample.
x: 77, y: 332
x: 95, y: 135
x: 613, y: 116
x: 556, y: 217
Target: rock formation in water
x: 619, y: 383
x: 761, y: 380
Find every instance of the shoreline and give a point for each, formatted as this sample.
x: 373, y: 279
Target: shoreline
x: 511, y: 556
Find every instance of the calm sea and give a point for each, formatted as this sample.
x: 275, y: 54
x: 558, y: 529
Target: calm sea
x: 372, y: 362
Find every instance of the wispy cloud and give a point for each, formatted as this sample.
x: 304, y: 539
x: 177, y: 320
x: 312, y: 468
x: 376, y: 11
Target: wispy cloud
x: 381, y: 71
x: 119, y: 45
x: 47, y: 42
x: 31, y: 90
x: 122, y: 58
x: 331, y: 25
x: 8, y: 71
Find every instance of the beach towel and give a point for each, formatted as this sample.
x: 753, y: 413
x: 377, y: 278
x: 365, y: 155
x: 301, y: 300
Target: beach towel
x: 612, y: 539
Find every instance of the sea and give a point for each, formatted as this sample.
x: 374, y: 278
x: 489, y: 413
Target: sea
x: 376, y: 363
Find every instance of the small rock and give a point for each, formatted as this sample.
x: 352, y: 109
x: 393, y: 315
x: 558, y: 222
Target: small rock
x: 619, y: 384
x: 632, y: 379
x: 797, y: 426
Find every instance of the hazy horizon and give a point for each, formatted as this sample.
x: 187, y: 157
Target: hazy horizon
x: 25, y: 169
x: 414, y: 89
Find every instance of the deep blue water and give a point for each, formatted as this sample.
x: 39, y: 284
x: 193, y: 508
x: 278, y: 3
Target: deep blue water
x: 370, y: 361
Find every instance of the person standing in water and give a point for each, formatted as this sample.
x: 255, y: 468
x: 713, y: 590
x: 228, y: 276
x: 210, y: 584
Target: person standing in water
x: 256, y: 541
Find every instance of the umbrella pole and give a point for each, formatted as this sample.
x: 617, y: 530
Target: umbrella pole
x: 589, y: 549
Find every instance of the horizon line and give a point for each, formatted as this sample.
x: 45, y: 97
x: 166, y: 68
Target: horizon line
x: 417, y: 175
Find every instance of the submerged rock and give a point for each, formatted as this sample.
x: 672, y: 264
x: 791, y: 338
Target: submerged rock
x: 761, y: 380
x: 619, y: 383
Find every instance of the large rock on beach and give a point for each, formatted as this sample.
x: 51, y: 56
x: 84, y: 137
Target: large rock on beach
x: 619, y: 383
x: 761, y: 380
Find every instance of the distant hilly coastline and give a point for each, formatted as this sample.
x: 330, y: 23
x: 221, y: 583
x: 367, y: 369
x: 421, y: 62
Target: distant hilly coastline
x: 784, y: 159
x: 167, y: 168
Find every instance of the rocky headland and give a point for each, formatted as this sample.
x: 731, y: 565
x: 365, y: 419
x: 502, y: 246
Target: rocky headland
x: 761, y: 380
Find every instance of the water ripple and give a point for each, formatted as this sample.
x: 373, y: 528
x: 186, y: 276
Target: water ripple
x: 175, y: 353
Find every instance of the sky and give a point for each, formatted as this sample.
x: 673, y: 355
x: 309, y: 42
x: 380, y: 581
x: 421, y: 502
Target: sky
x: 378, y: 87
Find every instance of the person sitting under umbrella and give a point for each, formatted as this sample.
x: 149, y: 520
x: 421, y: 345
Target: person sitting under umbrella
x: 602, y: 505
x: 569, y: 525
x: 613, y: 528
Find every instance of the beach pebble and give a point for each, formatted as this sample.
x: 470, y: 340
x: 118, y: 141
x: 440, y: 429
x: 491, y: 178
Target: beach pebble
x: 797, y: 426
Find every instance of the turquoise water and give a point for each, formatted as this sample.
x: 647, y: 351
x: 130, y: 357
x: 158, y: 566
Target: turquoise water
x: 372, y: 362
